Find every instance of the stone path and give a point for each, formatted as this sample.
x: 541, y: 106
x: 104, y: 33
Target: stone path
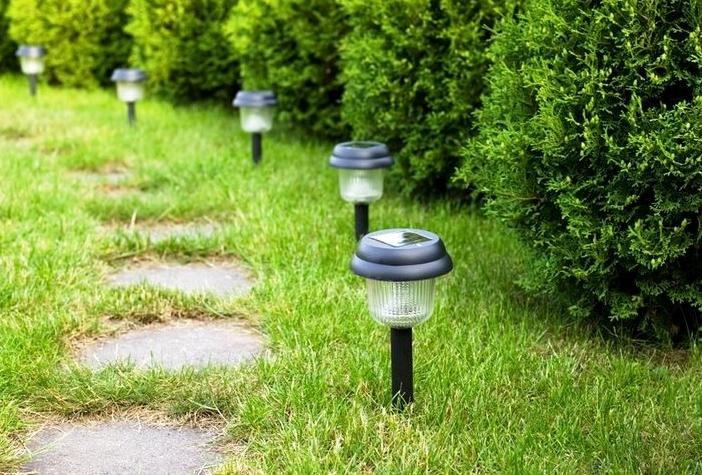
x: 121, y: 447
x: 160, y: 232
x: 109, y: 176
x: 110, y: 181
x: 179, y: 344
x: 18, y: 136
x: 221, y: 280
x: 128, y: 446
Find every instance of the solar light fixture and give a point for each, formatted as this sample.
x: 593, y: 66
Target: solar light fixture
x: 401, y: 267
x: 32, y: 64
x: 130, y: 89
x: 256, y: 113
x: 361, y: 168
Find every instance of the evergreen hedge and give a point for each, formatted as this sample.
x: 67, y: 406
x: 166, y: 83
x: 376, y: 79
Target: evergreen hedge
x: 413, y: 71
x: 181, y: 44
x: 292, y: 47
x: 84, y: 38
x: 7, y: 46
x: 591, y: 146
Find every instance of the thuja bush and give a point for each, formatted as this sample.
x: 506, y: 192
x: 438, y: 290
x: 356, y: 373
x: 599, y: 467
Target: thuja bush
x: 292, y: 47
x: 413, y: 71
x: 182, y: 46
x: 84, y: 38
x: 7, y: 46
x: 591, y: 146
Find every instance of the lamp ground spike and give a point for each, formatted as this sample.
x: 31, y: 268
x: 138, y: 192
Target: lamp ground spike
x: 361, y: 212
x: 131, y: 113
x: 32, y: 84
x: 256, y: 147
x: 401, y: 367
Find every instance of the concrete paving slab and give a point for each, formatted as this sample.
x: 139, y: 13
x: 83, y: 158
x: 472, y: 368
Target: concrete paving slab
x: 221, y: 280
x: 121, y: 447
x: 110, y: 176
x: 159, y: 232
x: 183, y: 343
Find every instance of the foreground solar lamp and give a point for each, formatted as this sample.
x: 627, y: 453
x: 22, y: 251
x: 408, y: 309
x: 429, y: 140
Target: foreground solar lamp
x: 130, y: 89
x: 257, y: 109
x: 361, y: 167
x: 32, y: 64
x: 401, y: 267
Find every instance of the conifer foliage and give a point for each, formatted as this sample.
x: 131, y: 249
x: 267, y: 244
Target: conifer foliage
x: 591, y: 146
x: 413, y: 72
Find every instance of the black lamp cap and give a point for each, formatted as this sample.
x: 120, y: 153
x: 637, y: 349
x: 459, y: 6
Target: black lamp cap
x: 255, y: 99
x: 401, y: 255
x: 30, y: 51
x: 361, y: 156
x: 128, y: 75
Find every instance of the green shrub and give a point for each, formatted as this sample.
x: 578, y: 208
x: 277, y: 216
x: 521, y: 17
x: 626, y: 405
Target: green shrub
x: 182, y: 46
x: 292, y: 47
x: 590, y: 145
x: 413, y: 71
x: 84, y: 38
x: 7, y: 46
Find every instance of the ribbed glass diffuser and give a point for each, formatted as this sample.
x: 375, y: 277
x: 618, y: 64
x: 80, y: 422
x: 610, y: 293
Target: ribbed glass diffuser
x: 400, y: 304
x: 32, y: 65
x: 361, y: 186
x: 130, y: 91
x: 257, y: 119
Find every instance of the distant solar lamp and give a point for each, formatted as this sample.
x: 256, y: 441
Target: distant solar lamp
x: 130, y: 89
x: 32, y: 64
x: 361, y: 168
x: 257, y: 109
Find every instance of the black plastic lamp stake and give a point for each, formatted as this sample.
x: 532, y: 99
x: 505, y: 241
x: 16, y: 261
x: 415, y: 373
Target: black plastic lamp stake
x: 401, y: 267
x: 32, y: 64
x: 32, y: 84
x: 361, y: 167
x: 131, y: 113
x: 401, y: 366
x: 256, y: 110
x: 256, y: 147
x: 361, y: 215
x: 130, y: 89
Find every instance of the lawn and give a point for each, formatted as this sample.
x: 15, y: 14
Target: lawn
x: 504, y: 383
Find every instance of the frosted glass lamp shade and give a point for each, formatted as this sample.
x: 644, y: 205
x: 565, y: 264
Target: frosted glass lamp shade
x: 361, y: 186
x: 257, y: 119
x: 130, y: 91
x: 401, y: 304
x: 31, y: 65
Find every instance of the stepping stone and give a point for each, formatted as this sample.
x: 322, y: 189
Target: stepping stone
x: 11, y: 133
x: 161, y: 232
x: 183, y: 343
x: 115, y: 447
x: 221, y: 280
x: 112, y: 176
x: 117, y: 192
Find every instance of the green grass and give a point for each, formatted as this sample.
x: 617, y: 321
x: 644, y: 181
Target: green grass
x: 504, y: 383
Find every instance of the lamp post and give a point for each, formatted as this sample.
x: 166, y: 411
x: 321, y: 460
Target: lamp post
x: 256, y: 112
x: 401, y: 267
x: 361, y: 168
x: 32, y: 64
x: 130, y: 89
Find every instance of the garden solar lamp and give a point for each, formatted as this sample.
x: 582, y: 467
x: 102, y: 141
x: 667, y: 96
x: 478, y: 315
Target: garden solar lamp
x: 361, y: 168
x: 256, y: 113
x: 401, y: 267
x: 130, y: 89
x: 32, y: 64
